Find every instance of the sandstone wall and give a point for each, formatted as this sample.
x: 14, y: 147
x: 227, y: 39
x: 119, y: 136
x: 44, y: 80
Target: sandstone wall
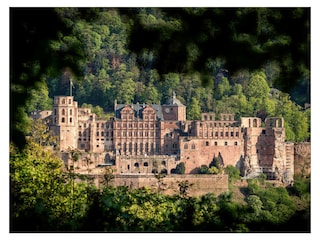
x: 201, y: 184
x: 302, y: 158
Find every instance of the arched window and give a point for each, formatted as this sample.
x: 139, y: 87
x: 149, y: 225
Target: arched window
x: 164, y: 171
x: 185, y: 146
x: 193, y: 146
x: 136, y: 164
x: 254, y: 122
x: 63, y: 112
x: 145, y: 164
x: 62, y: 119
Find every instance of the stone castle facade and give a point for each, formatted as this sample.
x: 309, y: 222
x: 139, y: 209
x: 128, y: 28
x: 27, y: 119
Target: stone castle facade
x: 151, y: 138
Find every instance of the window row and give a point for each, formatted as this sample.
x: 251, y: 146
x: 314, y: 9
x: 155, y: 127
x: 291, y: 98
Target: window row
x: 63, y: 111
x: 193, y: 146
x: 214, y: 124
x: 137, y: 134
x: 63, y: 120
x: 141, y: 147
x: 135, y: 125
x: 216, y: 134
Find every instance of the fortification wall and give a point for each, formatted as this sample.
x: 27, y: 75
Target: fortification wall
x: 201, y: 184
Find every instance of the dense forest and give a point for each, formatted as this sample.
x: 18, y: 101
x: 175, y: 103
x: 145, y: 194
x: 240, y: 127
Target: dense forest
x: 247, y: 61
x: 256, y: 65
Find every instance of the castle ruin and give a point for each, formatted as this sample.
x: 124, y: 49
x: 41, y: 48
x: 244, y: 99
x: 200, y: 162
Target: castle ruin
x: 154, y: 138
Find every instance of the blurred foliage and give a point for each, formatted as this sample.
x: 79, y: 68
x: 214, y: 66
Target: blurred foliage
x: 249, y: 61
x: 215, y: 59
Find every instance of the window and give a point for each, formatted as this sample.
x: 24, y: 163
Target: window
x: 193, y: 146
x: 70, y: 111
x: 62, y: 119
x: 63, y: 112
x: 221, y: 134
x: 145, y: 164
x: 63, y: 101
x: 237, y: 134
x: 102, y: 133
x: 216, y: 143
x: 185, y: 146
x: 97, y: 134
x: 97, y: 125
x: 231, y: 134
x: 226, y: 143
x: 235, y: 143
x: 70, y: 120
x: 207, y: 143
x: 69, y: 101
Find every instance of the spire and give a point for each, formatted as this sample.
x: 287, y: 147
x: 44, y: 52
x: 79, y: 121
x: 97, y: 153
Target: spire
x: 173, y: 95
x: 71, y: 86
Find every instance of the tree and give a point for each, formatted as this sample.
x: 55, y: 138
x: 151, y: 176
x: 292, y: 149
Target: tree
x: 184, y: 188
x: 180, y: 169
x: 108, y: 176
x: 233, y: 173
x: 126, y: 90
x: 194, y: 110
x: 41, y: 134
x: 257, y: 86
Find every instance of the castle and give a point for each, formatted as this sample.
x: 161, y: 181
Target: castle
x: 154, y: 138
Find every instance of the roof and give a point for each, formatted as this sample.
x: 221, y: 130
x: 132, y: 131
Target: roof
x: 138, y: 108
